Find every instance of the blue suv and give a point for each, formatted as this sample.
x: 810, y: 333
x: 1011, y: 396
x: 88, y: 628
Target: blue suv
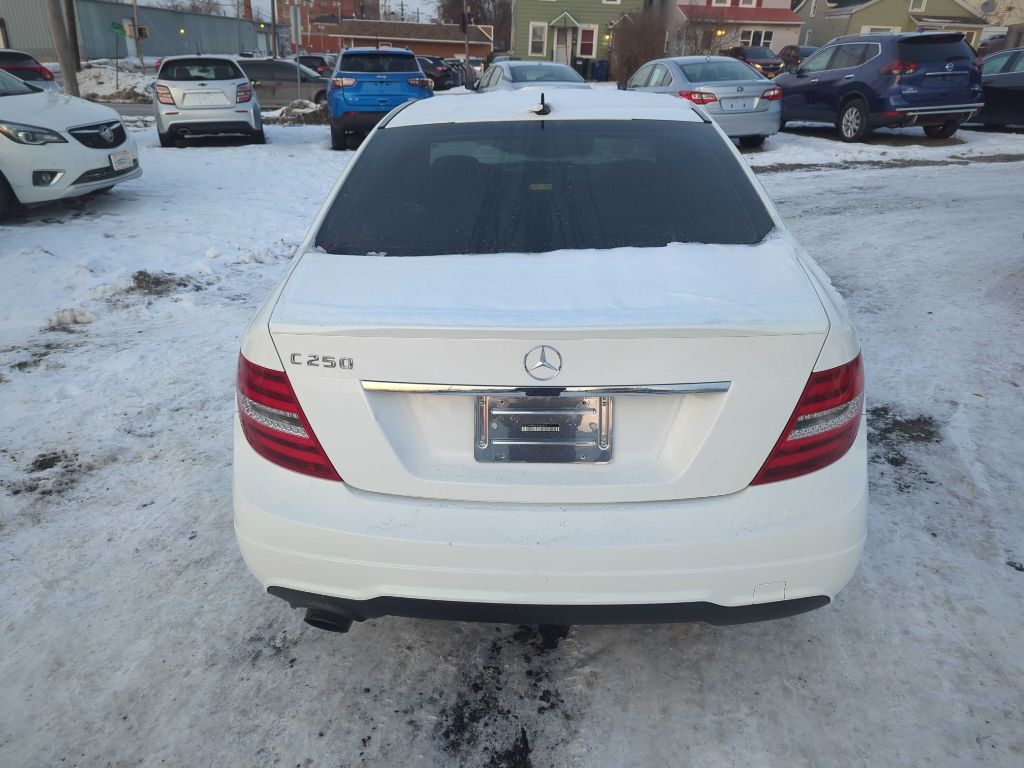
x: 860, y: 82
x: 367, y: 84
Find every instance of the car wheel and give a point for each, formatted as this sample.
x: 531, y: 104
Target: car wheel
x: 853, y: 121
x: 260, y: 137
x: 166, y: 140
x: 8, y: 202
x: 353, y: 140
x: 337, y: 138
x: 943, y: 131
x: 752, y: 142
x: 320, y: 99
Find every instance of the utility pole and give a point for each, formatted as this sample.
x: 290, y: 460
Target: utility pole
x: 465, y: 32
x: 238, y: 24
x: 401, y: 10
x: 273, y: 28
x: 138, y: 40
x: 60, y: 41
x: 72, y: 19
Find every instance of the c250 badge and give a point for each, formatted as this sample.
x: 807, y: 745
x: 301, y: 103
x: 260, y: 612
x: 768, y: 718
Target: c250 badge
x: 321, y: 361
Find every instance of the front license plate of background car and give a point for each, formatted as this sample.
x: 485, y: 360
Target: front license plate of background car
x: 121, y: 161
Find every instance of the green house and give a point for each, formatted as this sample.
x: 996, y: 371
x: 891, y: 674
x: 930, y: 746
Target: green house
x: 565, y: 30
x: 826, y: 19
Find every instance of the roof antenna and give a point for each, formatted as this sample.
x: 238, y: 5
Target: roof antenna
x: 542, y: 108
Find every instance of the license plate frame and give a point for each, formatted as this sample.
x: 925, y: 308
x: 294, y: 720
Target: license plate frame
x: 738, y: 104
x: 543, y: 430
x: 121, y: 161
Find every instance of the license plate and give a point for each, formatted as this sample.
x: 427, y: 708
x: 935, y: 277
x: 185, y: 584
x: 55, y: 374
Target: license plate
x: 204, y: 99
x: 737, y: 105
x: 121, y: 161
x: 543, y: 430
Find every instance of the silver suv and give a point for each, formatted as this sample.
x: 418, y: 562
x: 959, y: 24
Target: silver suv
x: 204, y: 95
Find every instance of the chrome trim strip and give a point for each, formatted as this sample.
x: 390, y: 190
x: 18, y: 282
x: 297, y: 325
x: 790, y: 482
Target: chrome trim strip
x: 626, y: 390
x: 940, y: 110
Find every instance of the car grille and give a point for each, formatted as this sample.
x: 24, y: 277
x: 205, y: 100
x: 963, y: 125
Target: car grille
x: 100, y: 135
x: 100, y: 174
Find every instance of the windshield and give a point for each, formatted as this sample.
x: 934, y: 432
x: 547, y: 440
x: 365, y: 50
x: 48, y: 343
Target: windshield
x: 542, y: 185
x: 12, y: 86
x: 544, y: 73
x: 758, y: 53
x: 719, y: 72
x: 935, y: 48
x: 200, y: 69
x: 378, y: 62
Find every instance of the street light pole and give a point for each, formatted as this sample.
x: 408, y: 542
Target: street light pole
x: 138, y: 40
x: 465, y: 33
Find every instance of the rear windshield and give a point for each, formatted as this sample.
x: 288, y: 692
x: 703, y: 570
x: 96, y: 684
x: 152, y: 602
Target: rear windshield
x: 719, y: 72
x: 15, y: 57
x: 28, y: 74
x: 935, y: 48
x: 538, y: 186
x: 758, y: 53
x: 378, y: 62
x: 545, y: 73
x: 200, y: 69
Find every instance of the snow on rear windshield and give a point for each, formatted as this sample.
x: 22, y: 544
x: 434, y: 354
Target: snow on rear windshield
x: 539, y: 186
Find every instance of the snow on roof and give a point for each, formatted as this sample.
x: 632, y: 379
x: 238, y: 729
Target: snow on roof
x: 565, y: 104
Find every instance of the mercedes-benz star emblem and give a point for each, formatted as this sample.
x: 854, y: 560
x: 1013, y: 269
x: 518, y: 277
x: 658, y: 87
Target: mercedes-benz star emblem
x: 543, y: 362
x: 107, y: 134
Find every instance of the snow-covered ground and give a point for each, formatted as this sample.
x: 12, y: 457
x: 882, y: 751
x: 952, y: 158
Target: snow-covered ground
x: 133, y: 635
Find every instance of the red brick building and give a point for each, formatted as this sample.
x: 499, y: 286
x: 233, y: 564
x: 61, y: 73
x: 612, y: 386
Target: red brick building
x: 317, y: 15
x: 445, y: 40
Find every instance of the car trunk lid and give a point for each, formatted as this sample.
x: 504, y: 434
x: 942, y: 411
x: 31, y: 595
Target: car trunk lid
x: 404, y: 365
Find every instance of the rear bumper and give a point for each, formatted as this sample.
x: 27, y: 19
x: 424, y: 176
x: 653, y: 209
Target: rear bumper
x: 749, y: 123
x: 928, y: 115
x: 357, y: 122
x: 234, y: 119
x: 784, y: 541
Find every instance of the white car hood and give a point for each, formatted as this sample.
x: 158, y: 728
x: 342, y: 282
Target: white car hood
x: 55, y: 111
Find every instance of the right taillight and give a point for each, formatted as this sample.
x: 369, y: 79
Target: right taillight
x: 274, y: 424
x: 772, y: 94
x: 243, y: 93
x: 823, y: 425
x: 163, y: 95
x: 699, y: 97
x: 421, y: 82
x: 899, y: 68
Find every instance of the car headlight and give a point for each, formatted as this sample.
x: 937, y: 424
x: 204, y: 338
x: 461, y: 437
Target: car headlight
x: 30, y: 134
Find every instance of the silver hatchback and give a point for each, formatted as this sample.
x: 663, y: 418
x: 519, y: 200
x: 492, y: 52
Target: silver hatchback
x: 204, y: 95
x: 741, y: 100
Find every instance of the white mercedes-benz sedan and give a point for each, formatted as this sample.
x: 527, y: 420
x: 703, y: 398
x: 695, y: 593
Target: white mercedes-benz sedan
x: 607, y: 387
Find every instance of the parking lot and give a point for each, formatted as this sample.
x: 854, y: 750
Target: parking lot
x: 135, y: 636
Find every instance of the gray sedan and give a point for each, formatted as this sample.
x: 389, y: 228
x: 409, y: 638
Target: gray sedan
x: 742, y: 101
x: 514, y: 75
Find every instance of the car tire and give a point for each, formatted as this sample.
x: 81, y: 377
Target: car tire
x: 8, y: 202
x: 943, y: 131
x: 337, y: 138
x: 320, y: 99
x: 166, y: 140
x: 853, y: 122
x: 260, y: 137
x: 353, y: 140
x: 752, y: 142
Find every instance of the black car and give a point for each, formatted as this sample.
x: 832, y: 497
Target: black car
x: 793, y: 55
x: 760, y: 58
x: 436, y: 69
x: 320, y: 63
x: 1002, y: 77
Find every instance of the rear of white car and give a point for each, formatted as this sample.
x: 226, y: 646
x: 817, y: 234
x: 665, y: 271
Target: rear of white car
x: 54, y: 146
x: 612, y: 389
x: 204, y: 95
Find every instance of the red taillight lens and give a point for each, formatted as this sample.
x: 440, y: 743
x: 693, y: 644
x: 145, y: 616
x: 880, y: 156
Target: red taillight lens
x: 243, y: 93
x: 823, y: 426
x: 274, y: 424
x: 47, y: 74
x: 772, y: 94
x: 899, y: 68
x: 163, y: 95
x: 698, y: 97
x: 343, y: 82
x: 421, y: 82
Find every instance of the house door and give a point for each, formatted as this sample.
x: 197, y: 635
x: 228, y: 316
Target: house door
x: 562, y: 45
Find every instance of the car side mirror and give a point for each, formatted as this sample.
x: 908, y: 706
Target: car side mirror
x: 623, y: 85
x: 799, y: 72
x: 255, y: 83
x: 473, y: 85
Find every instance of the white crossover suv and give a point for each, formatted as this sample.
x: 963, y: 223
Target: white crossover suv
x: 609, y: 388
x: 54, y: 146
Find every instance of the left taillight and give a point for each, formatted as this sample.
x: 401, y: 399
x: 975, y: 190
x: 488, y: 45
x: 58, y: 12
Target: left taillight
x: 699, y: 97
x: 243, y: 93
x: 274, y: 424
x: 421, y: 82
x: 163, y: 95
x: 772, y: 94
x: 823, y: 425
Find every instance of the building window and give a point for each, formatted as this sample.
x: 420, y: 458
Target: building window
x: 875, y: 30
x: 748, y: 3
x: 538, y: 38
x: 756, y: 37
x: 612, y: 2
x: 586, y: 43
x: 814, y: 7
x: 917, y: 5
x: 721, y: 2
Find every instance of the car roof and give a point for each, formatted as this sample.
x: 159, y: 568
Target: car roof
x: 696, y: 59
x: 874, y: 37
x: 378, y: 50
x: 202, y: 56
x: 565, y: 104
